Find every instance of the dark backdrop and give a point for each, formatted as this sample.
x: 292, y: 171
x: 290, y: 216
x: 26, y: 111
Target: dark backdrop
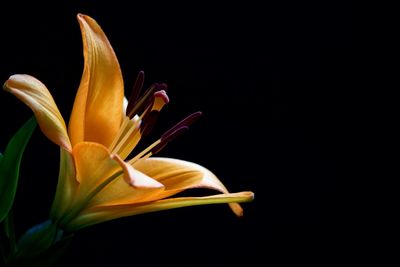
x: 271, y: 80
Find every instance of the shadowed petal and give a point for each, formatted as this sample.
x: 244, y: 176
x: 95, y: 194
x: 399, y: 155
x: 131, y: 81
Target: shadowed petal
x: 37, y: 97
x: 101, y: 214
x: 177, y: 175
x: 66, y: 186
x: 98, y: 106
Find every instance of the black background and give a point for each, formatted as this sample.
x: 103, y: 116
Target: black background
x: 271, y: 80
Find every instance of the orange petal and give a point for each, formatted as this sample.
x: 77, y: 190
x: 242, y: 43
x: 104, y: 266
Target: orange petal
x: 66, y: 187
x: 136, y: 178
x: 94, y: 168
x: 37, y: 97
x: 177, y: 175
x: 102, y: 214
x: 98, y: 107
x: 134, y: 187
x: 93, y: 164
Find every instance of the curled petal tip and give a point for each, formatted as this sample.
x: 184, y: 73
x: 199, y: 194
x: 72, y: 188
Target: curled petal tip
x: 36, y: 96
x: 244, y: 197
x: 6, y: 85
x: 250, y: 195
x: 80, y: 15
x: 135, y: 178
x: 240, y: 213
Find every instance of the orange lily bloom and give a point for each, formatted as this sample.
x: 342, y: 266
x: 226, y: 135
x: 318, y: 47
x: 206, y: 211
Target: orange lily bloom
x: 97, y: 182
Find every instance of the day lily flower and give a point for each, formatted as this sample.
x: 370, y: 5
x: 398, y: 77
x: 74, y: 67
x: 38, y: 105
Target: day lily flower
x: 98, y: 180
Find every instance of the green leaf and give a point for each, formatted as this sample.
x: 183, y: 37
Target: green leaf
x: 9, y: 166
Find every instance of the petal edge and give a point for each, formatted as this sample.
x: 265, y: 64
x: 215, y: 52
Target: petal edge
x: 99, y: 100
x: 103, y: 214
x: 37, y: 97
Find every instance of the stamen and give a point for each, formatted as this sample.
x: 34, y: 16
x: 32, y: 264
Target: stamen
x: 149, y: 123
x: 189, y: 120
x: 120, y: 133
x: 165, y: 139
x: 157, y: 101
x: 127, y: 127
x: 143, y: 101
x: 148, y: 155
x: 137, y: 88
x: 151, y: 115
x: 145, y: 151
x: 127, y: 135
x: 162, y: 87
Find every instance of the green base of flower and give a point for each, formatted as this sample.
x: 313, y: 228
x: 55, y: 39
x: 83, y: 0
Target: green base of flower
x: 42, y: 245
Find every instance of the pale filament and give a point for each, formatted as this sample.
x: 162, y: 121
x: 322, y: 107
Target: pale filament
x: 127, y: 130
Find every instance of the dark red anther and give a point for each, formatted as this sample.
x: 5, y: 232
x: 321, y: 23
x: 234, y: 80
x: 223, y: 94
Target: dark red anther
x: 162, y: 86
x: 183, y: 123
x: 168, y: 138
x: 176, y: 131
x: 150, y: 117
x: 148, y: 122
x: 136, y: 89
x: 143, y: 102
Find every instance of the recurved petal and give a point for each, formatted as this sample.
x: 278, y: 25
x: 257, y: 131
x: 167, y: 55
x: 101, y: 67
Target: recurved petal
x: 131, y: 188
x: 136, y: 178
x: 98, y: 108
x: 102, y: 214
x: 108, y: 179
x: 37, y: 97
x: 177, y: 175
